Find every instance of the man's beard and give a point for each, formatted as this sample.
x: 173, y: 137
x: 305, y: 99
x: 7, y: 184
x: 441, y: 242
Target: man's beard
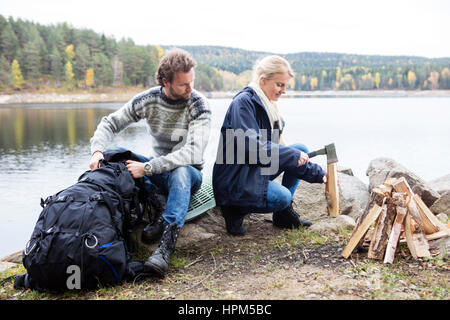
x: 176, y: 96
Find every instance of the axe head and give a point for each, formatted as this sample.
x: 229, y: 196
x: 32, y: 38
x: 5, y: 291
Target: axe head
x: 331, y: 153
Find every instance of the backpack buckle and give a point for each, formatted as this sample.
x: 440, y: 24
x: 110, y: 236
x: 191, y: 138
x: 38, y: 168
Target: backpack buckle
x: 26, y: 251
x: 87, y: 244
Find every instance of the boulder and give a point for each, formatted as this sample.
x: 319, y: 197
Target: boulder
x: 355, y: 194
x: 443, y: 218
x: 442, y: 205
x: 328, y: 225
x: 382, y: 168
x: 310, y: 200
x: 441, y: 185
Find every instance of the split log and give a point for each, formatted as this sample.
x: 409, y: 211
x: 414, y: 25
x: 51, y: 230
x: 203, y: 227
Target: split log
x: 437, y: 235
x: 382, y: 230
x: 430, y: 222
x: 401, y: 200
x: 361, y: 230
x: 377, y: 197
x: 333, y: 190
x: 415, y: 239
x: 427, y: 219
x: 389, y: 182
x: 402, y: 186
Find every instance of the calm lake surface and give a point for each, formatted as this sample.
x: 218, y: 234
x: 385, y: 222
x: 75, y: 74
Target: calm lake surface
x: 45, y: 148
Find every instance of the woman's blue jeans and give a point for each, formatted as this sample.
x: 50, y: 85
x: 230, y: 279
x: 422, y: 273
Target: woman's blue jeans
x: 179, y: 184
x: 279, y: 196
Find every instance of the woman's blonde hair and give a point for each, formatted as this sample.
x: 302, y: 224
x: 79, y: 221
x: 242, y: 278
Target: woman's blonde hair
x: 269, y: 66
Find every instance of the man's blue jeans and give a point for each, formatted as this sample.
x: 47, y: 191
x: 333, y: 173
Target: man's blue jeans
x: 279, y: 196
x: 179, y: 184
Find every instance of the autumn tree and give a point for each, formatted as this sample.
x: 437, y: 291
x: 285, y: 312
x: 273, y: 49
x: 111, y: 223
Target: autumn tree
x: 445, y: 78
x: 313, y: 83
x: 17, y: 78
x: 89, y: 79
x: 70, y: 81
x: 433, y: 80
x: 412, y: 79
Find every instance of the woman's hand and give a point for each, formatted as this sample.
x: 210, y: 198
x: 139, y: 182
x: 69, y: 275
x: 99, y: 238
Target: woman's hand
x: 136, y: 168
x: 304, y: 158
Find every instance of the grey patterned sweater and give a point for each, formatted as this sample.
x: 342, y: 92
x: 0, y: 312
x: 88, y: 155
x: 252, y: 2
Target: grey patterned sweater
x: 179, y: 129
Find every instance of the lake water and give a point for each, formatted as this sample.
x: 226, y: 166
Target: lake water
x: 45, y: 148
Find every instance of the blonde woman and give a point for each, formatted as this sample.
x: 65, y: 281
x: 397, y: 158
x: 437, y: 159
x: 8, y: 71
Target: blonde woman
x: 251, y: 154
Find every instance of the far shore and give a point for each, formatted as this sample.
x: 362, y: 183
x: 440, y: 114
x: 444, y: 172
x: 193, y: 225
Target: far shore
x: 89, y: 97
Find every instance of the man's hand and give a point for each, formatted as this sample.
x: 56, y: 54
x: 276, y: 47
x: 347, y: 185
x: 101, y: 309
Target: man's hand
x: 136, y: 168
x: 95, y: 160
x: 304, y: 158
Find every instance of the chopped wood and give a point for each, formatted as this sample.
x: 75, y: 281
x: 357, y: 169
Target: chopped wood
x: 437, y: 235
x: 389, y: 182
x: 333, y: 189
x: 430, y: 223
x: 397, y: 216
x: 361, y: 230
x: 401, y: 185
x: 382, y: 231
x: 395, y: 234
x: 415, y: 239
x: 376, y: 198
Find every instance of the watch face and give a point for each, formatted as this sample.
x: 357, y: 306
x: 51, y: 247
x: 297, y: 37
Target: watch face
x: 148, y: 168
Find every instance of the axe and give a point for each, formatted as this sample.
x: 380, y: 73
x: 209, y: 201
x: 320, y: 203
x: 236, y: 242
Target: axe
x: 329, y: 150
x: 332, y: 186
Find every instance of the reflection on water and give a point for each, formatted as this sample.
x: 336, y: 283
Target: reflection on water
x: 25, y: 128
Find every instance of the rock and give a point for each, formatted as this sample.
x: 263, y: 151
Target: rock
x: 355, y: 194
x: 309, y: 200
x: 443, y: 217
x: 382, y: 168
x: 5, y: 265
x: 441, y: 185
x: 345, y: 170
x: 329, y: 224
x: 191, y: 233
x: 15, y: 257
x: 442, y: 205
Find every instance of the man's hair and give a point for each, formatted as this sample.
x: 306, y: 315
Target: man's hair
x: 174, y: 61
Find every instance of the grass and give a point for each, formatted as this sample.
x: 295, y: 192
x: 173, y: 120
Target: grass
x: 212, y: 268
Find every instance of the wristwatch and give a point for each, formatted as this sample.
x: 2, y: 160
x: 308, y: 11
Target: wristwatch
x: 148, y: 169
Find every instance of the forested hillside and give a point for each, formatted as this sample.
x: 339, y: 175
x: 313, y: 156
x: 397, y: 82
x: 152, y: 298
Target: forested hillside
x: 59, y: 57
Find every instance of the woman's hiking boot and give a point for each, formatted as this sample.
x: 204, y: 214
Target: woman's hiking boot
x: 234, y: 218
x: 159, y: 261
x: 153, y: 231
x: 288, y: 219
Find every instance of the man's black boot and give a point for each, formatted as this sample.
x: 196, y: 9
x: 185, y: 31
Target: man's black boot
x: 288, y: 218
x: 234, y: 218
x: 153, y: 231
x: 159, y: 261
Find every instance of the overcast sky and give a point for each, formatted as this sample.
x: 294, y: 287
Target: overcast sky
x: 383, y: 27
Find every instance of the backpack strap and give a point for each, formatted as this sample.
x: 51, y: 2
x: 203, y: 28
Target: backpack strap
x: 111, y: 210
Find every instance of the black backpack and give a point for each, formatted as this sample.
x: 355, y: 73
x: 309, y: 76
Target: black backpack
x: 80, y: 238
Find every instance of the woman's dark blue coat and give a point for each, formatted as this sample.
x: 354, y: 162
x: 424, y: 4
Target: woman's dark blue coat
x: 243, y: 184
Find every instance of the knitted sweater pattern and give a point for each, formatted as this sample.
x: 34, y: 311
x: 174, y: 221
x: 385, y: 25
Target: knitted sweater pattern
x: 179, y: 130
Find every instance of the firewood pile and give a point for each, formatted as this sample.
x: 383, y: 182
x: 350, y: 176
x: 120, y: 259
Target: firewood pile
x: 395, y: 214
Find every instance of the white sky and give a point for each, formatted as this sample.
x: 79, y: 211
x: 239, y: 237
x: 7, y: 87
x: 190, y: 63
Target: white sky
x: 384, y: 27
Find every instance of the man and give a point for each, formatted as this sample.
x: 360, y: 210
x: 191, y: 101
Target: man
x: 178, y: 117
